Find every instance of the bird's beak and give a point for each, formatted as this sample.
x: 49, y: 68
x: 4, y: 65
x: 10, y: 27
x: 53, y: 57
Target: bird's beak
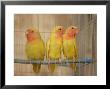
x: 26, y: 33
x: 63, y: 31
x: 77, y: 31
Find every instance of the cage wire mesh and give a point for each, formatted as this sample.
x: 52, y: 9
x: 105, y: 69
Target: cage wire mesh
x: 86, y: 43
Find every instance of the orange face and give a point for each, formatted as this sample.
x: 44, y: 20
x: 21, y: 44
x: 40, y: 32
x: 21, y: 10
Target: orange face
x: 31, y: 35
x: 72, y: 31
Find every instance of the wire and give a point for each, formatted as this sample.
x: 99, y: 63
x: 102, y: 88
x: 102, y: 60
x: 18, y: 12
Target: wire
x: 22, y: 61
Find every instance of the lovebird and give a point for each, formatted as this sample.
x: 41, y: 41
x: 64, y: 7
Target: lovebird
x: 54, y: 46
x: 69, y: 45
x: 35, y: 49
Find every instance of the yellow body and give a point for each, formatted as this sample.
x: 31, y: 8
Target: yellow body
x: 35, y: 50
x: 70, y: 51
x: 69, y: 48
x: 69, y: 45
x: 54, y: 48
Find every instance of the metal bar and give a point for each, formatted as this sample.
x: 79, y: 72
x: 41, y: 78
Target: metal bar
x: 88, y: 60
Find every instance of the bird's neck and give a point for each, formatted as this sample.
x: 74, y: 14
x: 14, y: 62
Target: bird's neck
x: 56, y: 36
x: 32, y: 40
x: 68, y: 36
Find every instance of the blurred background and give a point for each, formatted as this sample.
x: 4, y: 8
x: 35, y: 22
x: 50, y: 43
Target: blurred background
x: 86, y: 41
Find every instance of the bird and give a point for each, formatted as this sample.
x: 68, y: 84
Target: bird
x: 54, y: 46
x: 34, y: 48
x: 70, y: 50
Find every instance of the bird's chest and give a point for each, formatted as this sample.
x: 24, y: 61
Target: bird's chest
x: 33, y: 49
x: 69, y: 46
x: 56, y: 44
x: 31, y: 46
x: 68, y: 43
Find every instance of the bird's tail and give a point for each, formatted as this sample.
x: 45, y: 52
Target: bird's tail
x: 36, y: 67
x: 74, y: 67
x: 51, y: 67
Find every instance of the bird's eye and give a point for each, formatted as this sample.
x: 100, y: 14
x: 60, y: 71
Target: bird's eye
x: 72, y: 27
x: 59, y: 29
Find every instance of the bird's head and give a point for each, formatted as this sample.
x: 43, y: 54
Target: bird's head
x: 31, y: 34
x: 59, y: 31
x: 72, y: 31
